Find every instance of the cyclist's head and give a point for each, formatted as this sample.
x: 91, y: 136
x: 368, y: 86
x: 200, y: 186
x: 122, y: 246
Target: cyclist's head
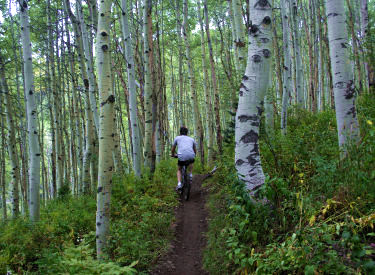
x: 183, y: 130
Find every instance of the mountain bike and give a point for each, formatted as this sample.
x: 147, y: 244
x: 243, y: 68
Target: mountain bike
x: 184, y: 191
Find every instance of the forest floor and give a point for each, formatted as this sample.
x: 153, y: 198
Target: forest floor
x: 185, y: 254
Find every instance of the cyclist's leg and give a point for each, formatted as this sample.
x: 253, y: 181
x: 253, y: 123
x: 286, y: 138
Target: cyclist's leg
x: 190, y: 171
x: 179, y: 173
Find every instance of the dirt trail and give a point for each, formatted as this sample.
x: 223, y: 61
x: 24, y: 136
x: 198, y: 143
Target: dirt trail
x: 185, y: 255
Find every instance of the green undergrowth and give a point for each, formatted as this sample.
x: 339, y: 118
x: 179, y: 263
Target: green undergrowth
x: 321, y: 215
x: 63, y: 242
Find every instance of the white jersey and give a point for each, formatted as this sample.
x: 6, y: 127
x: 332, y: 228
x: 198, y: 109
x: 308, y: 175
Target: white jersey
x: 185, y: 145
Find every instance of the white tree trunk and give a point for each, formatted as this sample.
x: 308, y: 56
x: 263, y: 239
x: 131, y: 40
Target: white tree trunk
x: 207, y: 92
x: 364, y: 33
x: 106, y: 123
x: 240, y: 34
x: 32, y: 124
x: 253, y: 88
x: 136, y: 142
x: 12, y: 143
x: 299, y: 67
x: 88, y: 63
x: 196, y: 114
x: 287, y: 68
x: 147, y: 6
x: 343, y: 82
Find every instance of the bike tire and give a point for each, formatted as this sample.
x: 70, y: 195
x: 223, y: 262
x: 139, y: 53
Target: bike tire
x: 186, y: 186
x: 187, y: 192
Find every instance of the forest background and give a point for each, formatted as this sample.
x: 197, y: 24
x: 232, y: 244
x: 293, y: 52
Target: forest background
x: 92, y: 95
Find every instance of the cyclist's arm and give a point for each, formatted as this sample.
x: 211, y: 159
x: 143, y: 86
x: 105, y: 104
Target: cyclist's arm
x: 173, y: 150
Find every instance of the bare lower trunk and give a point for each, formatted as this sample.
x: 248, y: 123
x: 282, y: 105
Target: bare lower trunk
x: 32, y: 128
x: 106, y: 123
x: 253, y: 88
x: 11, y: 140
x: 343, y: 83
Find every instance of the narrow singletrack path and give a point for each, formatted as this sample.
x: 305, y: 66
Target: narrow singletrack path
x: 185, y: 254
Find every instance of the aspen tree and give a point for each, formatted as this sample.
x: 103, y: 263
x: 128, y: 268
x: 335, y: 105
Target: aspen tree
x: 32, y: 125
x: 87, y: 177
x: 52, y: 87
x: 11, y: 140
x: 2, y: 166
x: 343, y: 83
x: 89, y: 64
x: 234, y: 37
x: 148, y: 89
x: 129, y: 54
x: 287, y: 68
x: 193, y: 89
x: 207, y: 92
x: 180, y: 64
x: 219, y: 138
x: 106, y: 124
x: 297, y: 53
x: 240, y: 34
x: 251, y: 95
x: 369, y: 73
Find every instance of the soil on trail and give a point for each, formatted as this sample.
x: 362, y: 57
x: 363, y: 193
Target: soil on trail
x: 185, y: 254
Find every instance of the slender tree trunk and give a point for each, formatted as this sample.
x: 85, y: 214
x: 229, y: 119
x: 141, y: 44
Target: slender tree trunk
x: 299, y: 67
x: 135, y: 138
x: 369, y: 71
x: 343, y: 83
x: 180, y: 64
x: 253, y: 88
x: 234, y: 37
x: 106, y: 124
x: 32, y: 125
x: 148, y: 89
x: 2, y: 168
x: 219, y: 138
x: 88, y: 62
x: 240, y: 35
x: 12, y: 144
x: 210, y: 126
x: 287, y: 68
x: 358, y: 75
x: 197, y: 119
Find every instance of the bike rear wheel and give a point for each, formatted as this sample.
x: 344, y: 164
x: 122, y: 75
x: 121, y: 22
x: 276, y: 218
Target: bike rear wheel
x: 185, y: 191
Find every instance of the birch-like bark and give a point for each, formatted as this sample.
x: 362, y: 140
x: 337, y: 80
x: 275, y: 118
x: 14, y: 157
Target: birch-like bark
x: 343, y: 83
x: 240, y: 34
x: 89, y: 64
x: 2, y: 167
x: 287, y: 68
x: 268, y: 108
x: 197, y: 118
x: 11, y: 140
x: 180, y: 64
x: 87, y: 178
x: 207, y: 92
x: 32, y: 125
x: 253, y: 88
x: 147, y: 31
x: 297, y: 52
x: 129, y: 54
x: 234, y: 37
x: 53, y: 90
x: 364, y: 32
x: 219, y: 139
x: 106, y: 124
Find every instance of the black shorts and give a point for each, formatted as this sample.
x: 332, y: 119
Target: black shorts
x: 185, y: 163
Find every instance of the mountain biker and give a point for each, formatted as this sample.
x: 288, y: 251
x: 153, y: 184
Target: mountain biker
x: 186, y: 150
